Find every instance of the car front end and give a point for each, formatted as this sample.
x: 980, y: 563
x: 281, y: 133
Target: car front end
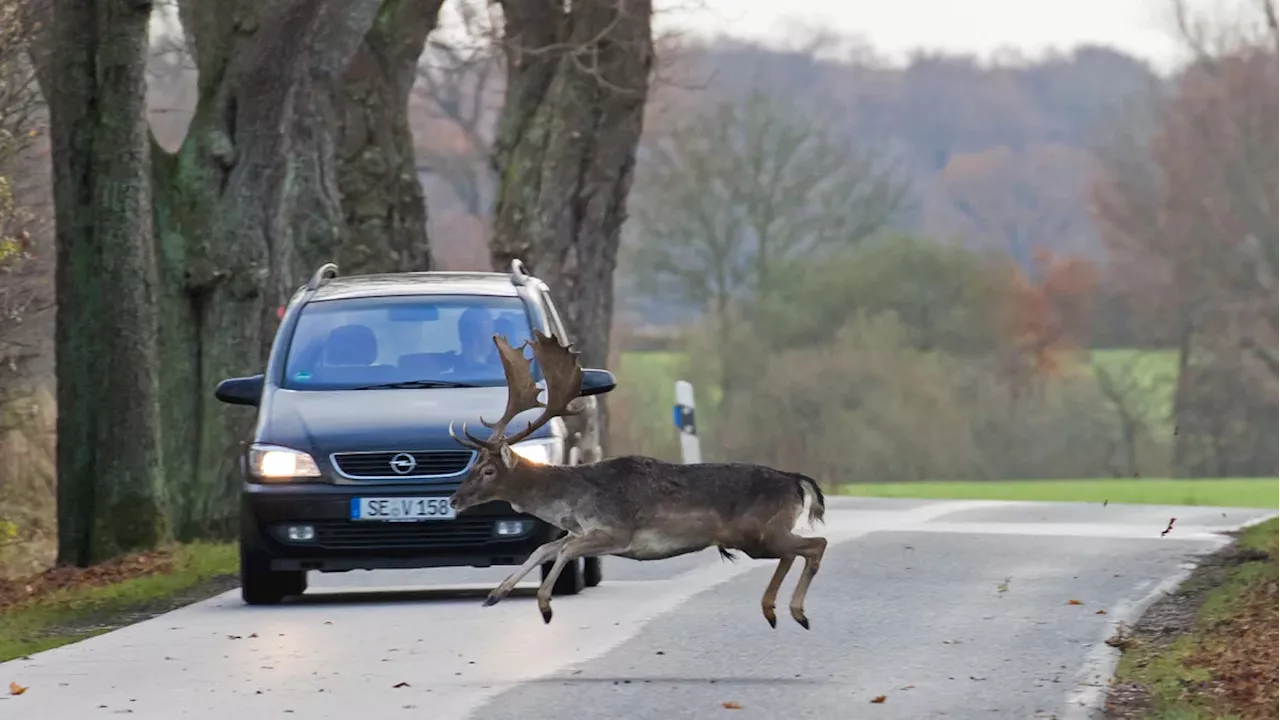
x: 381, y: 508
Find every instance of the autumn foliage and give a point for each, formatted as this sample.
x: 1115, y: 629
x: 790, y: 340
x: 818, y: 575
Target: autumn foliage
x: 1047, y: 311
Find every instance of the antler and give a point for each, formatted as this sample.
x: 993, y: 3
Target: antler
x: 564, y: 383
x: 560, y: 367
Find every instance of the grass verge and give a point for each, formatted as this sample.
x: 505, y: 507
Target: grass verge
x: 64, y: 605
x: 1208, y: 650
x: 1226, y: 492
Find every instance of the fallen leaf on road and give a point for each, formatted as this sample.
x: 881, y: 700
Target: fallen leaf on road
x: 1104, y: 502
x: 730, y: 705
x: 906, y: 687
x: 1004, y: 586
x: 253, y: 635
x: 233, y: 637
x: 1074, y: 602
x: 879, y: 699
x: 16, y: 689
x: 1101, y: 612
x: 400, y: 685
x: 1170, y: 528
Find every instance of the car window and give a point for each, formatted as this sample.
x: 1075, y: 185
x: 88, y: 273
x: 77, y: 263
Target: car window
x: 357, y: 342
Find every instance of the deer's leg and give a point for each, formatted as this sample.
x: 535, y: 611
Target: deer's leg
x: 770, y: 599
x: 539, y: 556
x: 812, y: 550
x: 592, y: 543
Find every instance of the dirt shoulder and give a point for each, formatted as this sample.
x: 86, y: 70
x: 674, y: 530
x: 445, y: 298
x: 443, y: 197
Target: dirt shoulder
x: 1209, y: 649
x: 63, y: 605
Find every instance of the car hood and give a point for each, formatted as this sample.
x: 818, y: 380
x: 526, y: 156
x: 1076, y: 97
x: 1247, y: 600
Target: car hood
x: 351, y: 420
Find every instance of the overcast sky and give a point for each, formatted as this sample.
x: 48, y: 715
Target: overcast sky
x: 895, y: 27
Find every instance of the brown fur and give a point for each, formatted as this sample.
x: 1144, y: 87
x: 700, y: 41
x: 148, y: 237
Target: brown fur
x: 636, y: 507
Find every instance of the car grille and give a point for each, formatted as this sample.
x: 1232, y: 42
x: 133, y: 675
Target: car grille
x: 350, y: 535
x: 425, y: 464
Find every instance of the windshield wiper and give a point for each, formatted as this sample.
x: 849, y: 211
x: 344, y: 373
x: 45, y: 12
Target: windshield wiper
x: 417, y: 384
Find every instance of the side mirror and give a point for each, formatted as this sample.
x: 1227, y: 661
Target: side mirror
x: 240, y: 391
x: 597, y: 382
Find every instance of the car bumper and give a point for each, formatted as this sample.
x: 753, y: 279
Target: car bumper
x: 341, y: 544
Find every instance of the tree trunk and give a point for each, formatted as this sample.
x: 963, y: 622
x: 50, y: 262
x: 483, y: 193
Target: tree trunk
x: 254, y: 203
x: 241, y: 214
x: 381, y: 196
x: 577, y: 80
x: 576, y: 86
x: 1181, y: 390
x: 110, y: 496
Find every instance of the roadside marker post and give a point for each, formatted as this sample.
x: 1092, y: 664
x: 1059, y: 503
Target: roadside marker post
x: 683, y: 415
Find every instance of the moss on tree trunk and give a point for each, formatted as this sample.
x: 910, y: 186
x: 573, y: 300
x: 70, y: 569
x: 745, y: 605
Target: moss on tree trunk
x: 110, y: 496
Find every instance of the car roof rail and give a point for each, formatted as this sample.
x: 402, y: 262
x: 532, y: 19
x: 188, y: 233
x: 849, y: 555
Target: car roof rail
x: 519, y: 276
x: 326, y: 271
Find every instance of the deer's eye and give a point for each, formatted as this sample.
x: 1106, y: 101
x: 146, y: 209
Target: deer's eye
x: 489, y: 471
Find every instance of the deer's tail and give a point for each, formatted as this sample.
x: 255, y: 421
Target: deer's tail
x: 812, y: 495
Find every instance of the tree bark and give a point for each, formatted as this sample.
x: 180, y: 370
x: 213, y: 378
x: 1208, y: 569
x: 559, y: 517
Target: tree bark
x: 299, y: 154
x: 242, y: 213
x: 577, y: 80
x: 377, y: 176
x: 110, y: 496
x: 245, y: 210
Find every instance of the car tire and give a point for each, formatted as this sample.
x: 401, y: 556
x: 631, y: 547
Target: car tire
x: 592, y: 571
x: 571, y: 580
x: 259, y: 584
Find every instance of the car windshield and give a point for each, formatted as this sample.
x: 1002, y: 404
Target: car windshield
x: 405, y: 341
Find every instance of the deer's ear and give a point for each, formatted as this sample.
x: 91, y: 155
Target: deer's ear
x: 508, y: 457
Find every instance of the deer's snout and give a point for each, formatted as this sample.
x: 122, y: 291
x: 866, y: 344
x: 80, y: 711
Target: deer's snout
x: 460, y: 501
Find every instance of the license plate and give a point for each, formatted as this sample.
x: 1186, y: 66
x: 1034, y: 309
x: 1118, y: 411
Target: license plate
x: 402, y: 509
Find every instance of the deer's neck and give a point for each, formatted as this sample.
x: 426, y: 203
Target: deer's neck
x: 543, y: 492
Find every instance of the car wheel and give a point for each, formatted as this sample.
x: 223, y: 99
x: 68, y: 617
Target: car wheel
x: 259, y: 584
x: 571, y: 580
x: 592, y: 572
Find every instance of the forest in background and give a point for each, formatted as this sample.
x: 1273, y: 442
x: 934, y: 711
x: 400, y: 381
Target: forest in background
x: 871, y: 271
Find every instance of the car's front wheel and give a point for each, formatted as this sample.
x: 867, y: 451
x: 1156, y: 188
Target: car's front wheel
x: 592, y: 572
x: 259, y: 584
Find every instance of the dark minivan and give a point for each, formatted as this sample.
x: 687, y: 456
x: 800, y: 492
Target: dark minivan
x: 351, y: 464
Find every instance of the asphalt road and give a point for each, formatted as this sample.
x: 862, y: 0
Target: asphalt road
x: 947, y: 609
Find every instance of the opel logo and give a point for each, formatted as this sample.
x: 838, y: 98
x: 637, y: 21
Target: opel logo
x: 403, y: 464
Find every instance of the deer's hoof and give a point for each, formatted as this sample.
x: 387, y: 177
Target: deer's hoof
x: 800, y: 618
x: 771, y: 617
x: 491, y: 600
x: 546, y: 615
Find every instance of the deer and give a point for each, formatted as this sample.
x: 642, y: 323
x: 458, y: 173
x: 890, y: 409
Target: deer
x: 633, y: 507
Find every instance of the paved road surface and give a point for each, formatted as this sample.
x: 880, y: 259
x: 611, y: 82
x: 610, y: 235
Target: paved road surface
x: 948, y: 609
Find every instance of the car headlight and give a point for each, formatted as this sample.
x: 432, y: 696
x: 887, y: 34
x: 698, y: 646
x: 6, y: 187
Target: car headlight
x: 272, y: 462
x: 547, y: 451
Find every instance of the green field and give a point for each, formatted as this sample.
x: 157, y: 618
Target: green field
x: 647, y: 378
x: 1226, y: 492
x: 1150, y: 376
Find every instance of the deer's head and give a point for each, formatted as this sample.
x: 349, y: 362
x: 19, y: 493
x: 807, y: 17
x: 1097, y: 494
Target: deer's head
x: 493, y: 472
